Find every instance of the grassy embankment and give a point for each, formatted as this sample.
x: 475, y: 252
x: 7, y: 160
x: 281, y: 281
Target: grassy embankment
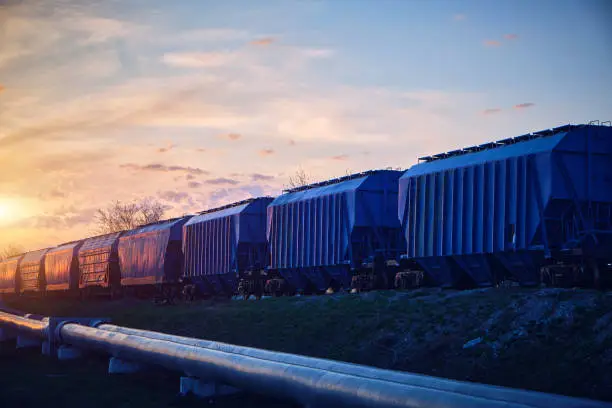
x: 549, y: 340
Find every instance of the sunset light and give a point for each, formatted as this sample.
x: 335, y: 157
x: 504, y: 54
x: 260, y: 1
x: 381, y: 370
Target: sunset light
x: 7, y: 210
x: 107, y: 101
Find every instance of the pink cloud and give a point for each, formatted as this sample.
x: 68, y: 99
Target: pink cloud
x: 263, y: 41
x: 200, y: 149
x: 197, y: 59
x: 261, y: 177
x: 232, y: 136
x: 491, y: 43
x: 491, y: 111
x: 340, y: 157
x: 163, y: 168
x: 167, y: 148
x: 266, y: 152
x: 291, y: 142
x: 524, y: 105
x: 511, y: 36
x: 222, y: 180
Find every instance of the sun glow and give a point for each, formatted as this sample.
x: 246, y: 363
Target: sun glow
x: 8, y: 210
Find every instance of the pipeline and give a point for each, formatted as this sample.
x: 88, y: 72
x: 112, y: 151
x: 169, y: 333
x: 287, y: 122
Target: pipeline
x: 472, y: 389
x: 310, y: 386
x: 311, y: 382
x: 25, y: 324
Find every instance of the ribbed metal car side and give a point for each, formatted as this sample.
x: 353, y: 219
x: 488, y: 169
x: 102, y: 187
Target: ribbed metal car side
x: 99, y: 261
x: 221, y: 243
x: 31, y: 271
x: 152, y: 254
x: 62, y: 267
x: 509, y: 205
x: 318, y: 233
x: 8, y: 274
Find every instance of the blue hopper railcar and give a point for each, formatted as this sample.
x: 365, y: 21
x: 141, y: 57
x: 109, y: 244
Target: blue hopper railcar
x: 62, y: 267
x: 323, y: 235
x: 9, y: 282
x: 31, y: 271
x: 224, y: 244
x: 517, y: 208
x: 99, y: 264
x: 151, y: 257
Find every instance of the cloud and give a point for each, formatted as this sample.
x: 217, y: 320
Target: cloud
x: 54, y: 193
x: 231, y: 136
x: 266, y: 152
x: 491, y: 111
x: 174, y: 196
x: 163, y: 168
x: 510, y: 36
x: 1, y: 88
x: 167, y: 148
x: 198, y: 59
x: 200, y: 149
x: 340, y: 157
x: 524, y: 105
x: 263, y: 41
x: 214, y: 35
x: 222, y: 180
x: 317, y: 52
x: 459, y: 17
x: 491, y: 43
x: 261, y: 177
x: 59, y: 220
x: 189, y: 176
x: 194, y: 184
x: 291, y: 142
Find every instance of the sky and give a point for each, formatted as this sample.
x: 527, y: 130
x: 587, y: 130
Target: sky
x: 203, y: 103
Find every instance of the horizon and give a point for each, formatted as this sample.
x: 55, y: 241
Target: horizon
x: 201, y: 104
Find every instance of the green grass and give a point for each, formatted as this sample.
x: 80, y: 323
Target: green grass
x: 420, y: 331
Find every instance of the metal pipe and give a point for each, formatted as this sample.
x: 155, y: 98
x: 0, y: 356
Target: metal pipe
x: 26, y: 325
x: 312, y: 382
x: 310, y: 386
x: 509, y: 395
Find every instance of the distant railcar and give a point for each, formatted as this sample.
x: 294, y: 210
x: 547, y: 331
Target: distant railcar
x: 151, y: 256
x: 99, y: 263
x: 9, y: 282
x: 31, y: 271
x: 323, y: 235
x: 514, y: 208
x: 62, y: 267
x: 223, y: 244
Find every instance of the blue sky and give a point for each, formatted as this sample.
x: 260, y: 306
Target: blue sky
x: 201, y: 103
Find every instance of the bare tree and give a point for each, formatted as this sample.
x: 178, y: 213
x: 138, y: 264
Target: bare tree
x: 10, y: 251
x: 299, y: 179
x: 125, y: 216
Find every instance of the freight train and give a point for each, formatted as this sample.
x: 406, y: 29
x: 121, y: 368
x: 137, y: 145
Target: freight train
x: 530, y: 209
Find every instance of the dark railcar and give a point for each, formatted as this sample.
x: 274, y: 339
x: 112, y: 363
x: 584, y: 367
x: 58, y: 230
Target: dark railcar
x: 9, y: 282
x: 223, y: 243
x: 512, y: 207
x: 62, y: 267
x: 320, y: 235
x: 31, y: 271
x: 152, y: 255
x: 99, y: 262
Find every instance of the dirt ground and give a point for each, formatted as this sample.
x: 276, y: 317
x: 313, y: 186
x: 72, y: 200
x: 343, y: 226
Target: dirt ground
x: 551, y: 340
